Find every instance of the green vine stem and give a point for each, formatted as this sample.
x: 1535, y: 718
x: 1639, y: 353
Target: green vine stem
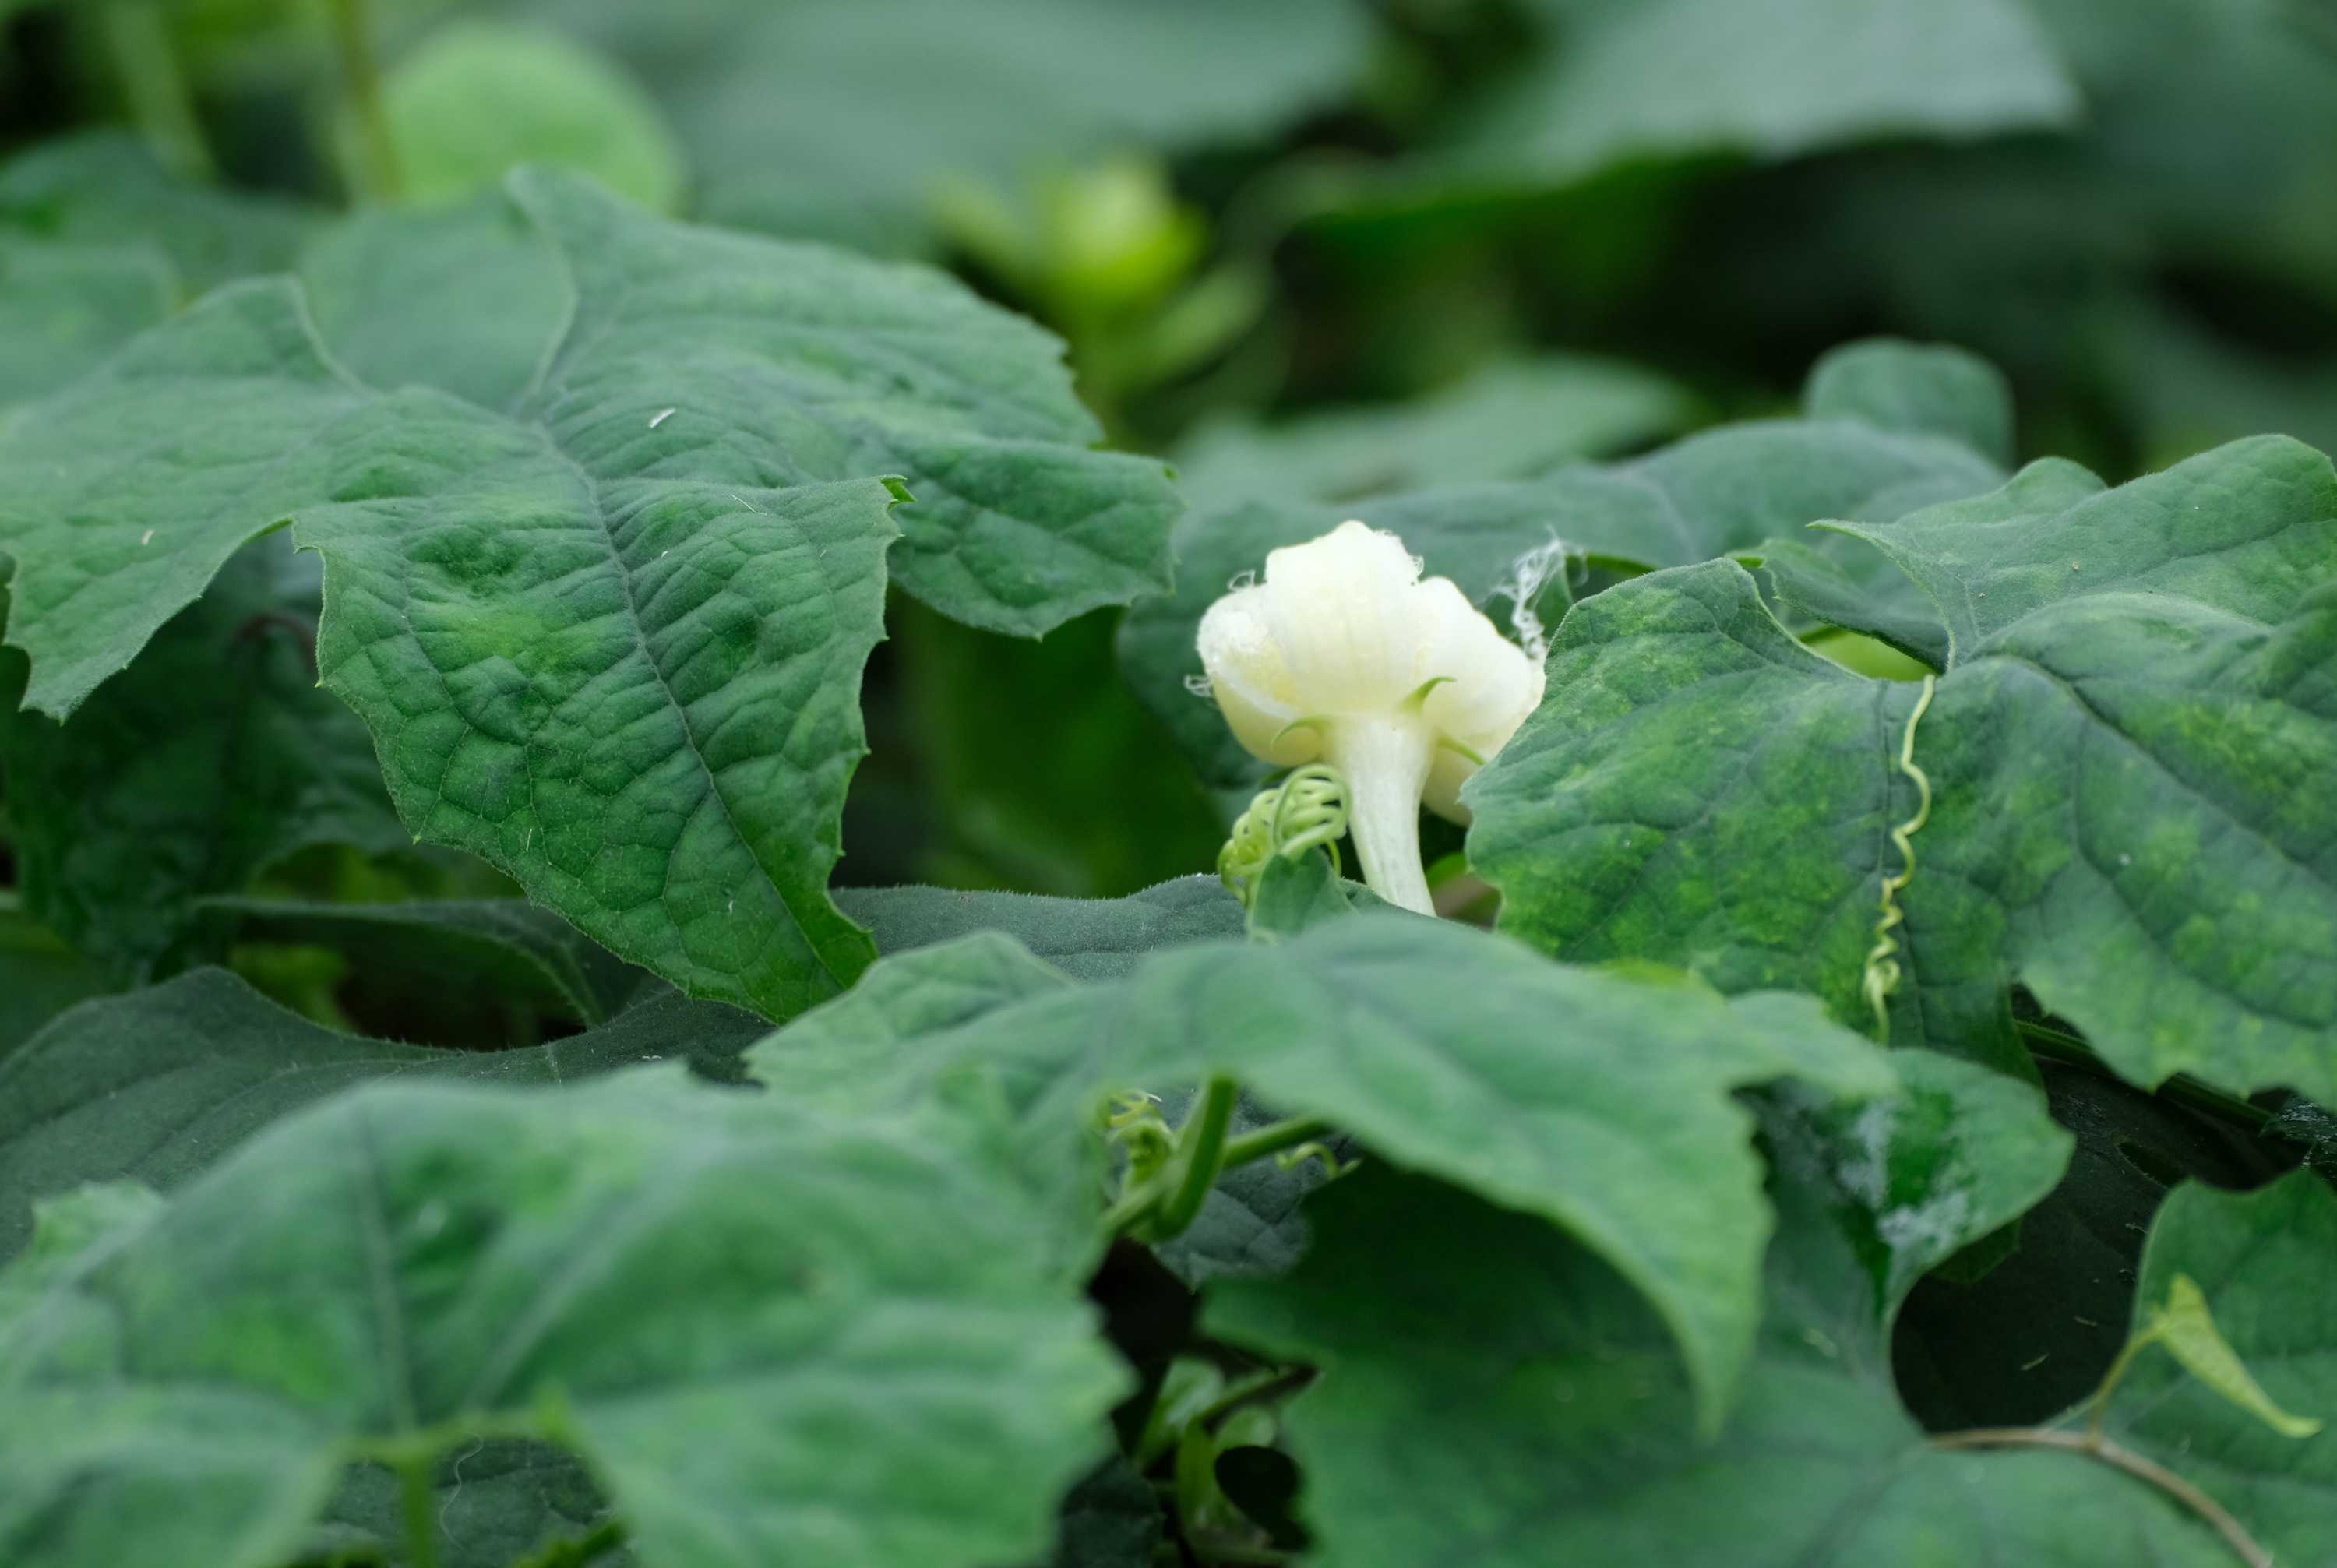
x: 2093, y: 1444
x: 421, y: 1511
x: 139, y: 39
x: 361, y: 73
x: 1273, y: 1139
x: 1201, y: 1155
x: 1163, y: 1206
x: 1883, y: 967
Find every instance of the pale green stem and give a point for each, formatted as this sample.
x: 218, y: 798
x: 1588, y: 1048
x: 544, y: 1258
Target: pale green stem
x: 421, y: 1511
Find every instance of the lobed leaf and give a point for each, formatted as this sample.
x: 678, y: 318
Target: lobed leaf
x: 2121, y: 814
x: 2266, y: 1262
x: 1489, y: 1389
x: 604, y: 1268
x: 1588, y: 1098
x: 839, y: 118
x: 1772, y: 79
x: 611, y: 645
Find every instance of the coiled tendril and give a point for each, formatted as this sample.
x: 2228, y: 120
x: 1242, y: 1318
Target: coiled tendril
x: 1307, y: 809
x: 1882, y: 970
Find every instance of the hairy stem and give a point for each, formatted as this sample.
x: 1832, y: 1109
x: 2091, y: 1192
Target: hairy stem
x: 2243, y: 1545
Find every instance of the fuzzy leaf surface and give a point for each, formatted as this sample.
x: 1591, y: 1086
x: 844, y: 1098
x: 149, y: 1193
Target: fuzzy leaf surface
x: 2121, y: 758
x: 1489, y: 1389
x: 604, y: 1267
x: 1596, y: 1102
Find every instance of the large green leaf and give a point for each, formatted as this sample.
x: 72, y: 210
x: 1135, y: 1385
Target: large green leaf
x: 479, y: 98
x: 2267, y: 1264
x: 1086, y: 938
x: 1491, y: 1393
x: 160, y: 1083
x: 842, y: 118
x: 1594, y: 1101
x: 40, y: 975
x: 1919, y: 388
x: 107, y: 188
x: 1509, y: 420
x: 497, y: 1501
x: 1633, y: 81
x: 467, y: 298
x: 63, y: 308
x: 767, y: 364
x: 1717, y: 493
x: 712, y: 1300
x: 209, y: 760
x: 611, y: 646
x: 2120, y: 759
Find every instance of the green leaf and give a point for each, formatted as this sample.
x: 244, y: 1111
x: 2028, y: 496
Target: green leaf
x: 2266, y: 1261
x: 557, y: 731
x: 852, y: 369
x: 850, y: 1052
x: 841, y: 118
x: 1920, y: 389
x: 1715, y: 494
x: 107, y: 188
x: 656, y: 748
x: 1433, y: 1044
x: 63, y: 308
x: 1086, y: 938
x: 2121, y: 819
x: 1509, y: 420
x: 506, y: 947
x: 208, y: 762
x: 467, y: 298
x: 606, y: 1268
x: 937, y: 987
x: 129, y: 490
x: 1294, y: 893
x: 40, y: 975
x: 2184, y: 1326
x: 1765, y: 79
x: 496, y: 1502
x: 1491, y: 1393
x: 477, y: 98
x: 160, y: 1083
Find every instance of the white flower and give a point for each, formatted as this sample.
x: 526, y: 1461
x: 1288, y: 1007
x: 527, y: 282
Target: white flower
x: 1341, y: 655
